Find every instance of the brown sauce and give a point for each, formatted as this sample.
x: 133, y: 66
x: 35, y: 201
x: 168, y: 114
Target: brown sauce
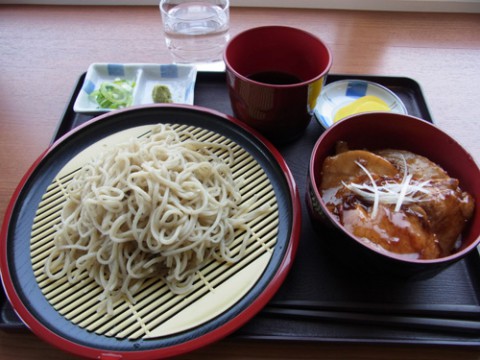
x: 419, y: 213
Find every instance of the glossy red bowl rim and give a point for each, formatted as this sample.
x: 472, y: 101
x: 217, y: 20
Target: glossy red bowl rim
x: 398, y: 117
x: 231, y: 68
x: 222, y: 331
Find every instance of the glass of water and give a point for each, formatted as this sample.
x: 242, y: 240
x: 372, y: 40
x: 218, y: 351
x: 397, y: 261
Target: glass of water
x: 196, y: 31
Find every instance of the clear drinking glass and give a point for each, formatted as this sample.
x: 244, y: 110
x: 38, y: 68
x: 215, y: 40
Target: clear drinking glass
x: 196, y: 31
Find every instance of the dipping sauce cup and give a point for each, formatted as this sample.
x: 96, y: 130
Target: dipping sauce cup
x: 275, y: 75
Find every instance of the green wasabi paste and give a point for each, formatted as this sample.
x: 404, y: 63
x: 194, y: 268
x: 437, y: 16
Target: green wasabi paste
x: 161, y: 94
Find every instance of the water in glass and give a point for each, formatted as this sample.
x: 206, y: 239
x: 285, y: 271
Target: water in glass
x: 196, y: 31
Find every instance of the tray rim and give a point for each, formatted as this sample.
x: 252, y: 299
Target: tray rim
x: 201, y: 76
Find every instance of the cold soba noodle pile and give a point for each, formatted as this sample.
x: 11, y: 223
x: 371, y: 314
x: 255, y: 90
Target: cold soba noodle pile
x: 153, y: 206
x: 397, y: 200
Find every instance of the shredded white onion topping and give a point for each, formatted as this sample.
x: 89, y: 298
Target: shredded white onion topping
x: 406, y: 192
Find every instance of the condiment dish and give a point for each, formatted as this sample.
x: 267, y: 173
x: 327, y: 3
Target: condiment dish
x: 135, y: 83
x: 340, y: 94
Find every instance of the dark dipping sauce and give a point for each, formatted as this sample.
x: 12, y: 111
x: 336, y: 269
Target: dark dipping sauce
x: 275, y: 78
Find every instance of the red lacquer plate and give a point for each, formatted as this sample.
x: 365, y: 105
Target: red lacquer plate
x: 20, y: 268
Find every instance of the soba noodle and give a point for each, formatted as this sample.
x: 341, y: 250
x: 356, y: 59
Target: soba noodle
x: 154, y: 206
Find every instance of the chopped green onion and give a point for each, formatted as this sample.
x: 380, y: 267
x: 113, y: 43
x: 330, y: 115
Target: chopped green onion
x: 114, y: 95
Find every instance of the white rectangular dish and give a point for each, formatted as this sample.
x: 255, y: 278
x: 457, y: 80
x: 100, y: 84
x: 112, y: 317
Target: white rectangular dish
x: 180, y: 80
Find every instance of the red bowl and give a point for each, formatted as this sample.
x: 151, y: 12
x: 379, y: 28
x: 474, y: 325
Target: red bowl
x: 388, y: 130
x: 279, y: 108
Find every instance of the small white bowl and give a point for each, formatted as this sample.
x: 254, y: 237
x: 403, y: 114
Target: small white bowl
x: 180, y: 79
x: 340, y: 93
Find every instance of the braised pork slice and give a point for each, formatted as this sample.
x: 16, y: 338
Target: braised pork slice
x: 398, y: 200
x: 421, y: 167
x: 401, y: 232
x: 343, y: 168
x: 448, y: 208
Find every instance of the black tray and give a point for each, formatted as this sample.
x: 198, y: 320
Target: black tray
x: 319, y: 300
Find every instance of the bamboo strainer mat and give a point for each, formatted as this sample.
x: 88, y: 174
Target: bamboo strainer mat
x: 157, y: 312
